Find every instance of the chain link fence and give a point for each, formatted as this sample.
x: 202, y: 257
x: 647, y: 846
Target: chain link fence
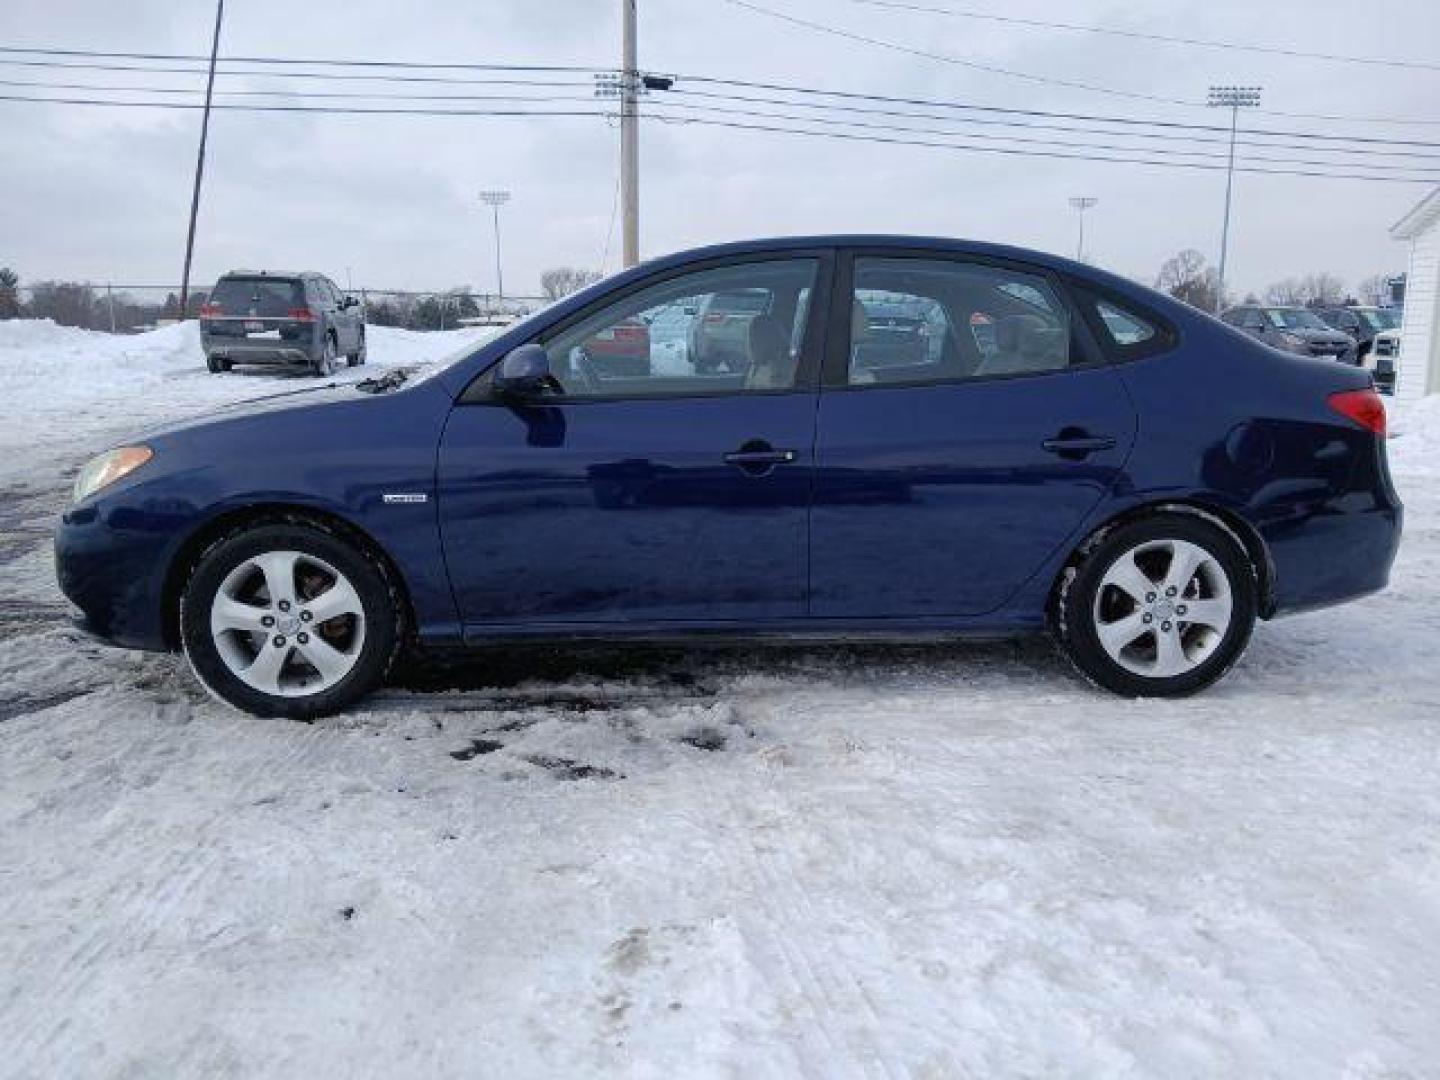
x: 131, y: 308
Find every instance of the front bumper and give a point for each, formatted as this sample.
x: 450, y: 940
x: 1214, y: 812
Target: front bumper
x: 110, y: 563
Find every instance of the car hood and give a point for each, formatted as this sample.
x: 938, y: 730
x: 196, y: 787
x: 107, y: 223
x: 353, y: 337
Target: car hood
x: 1321, y: 337
x: 302, y: 398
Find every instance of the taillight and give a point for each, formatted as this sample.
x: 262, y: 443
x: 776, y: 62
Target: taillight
x: 209, y: 311
x: 302, y: 314
x: 1362, y: 406
x: 714, y: 320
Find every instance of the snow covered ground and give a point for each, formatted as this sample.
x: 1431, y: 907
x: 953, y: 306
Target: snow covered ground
x: 878, y: 862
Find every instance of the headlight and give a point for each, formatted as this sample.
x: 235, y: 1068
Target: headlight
x: 100, y: 472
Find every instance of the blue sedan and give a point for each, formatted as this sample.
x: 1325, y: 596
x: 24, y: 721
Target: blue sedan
x: 1060, y: 450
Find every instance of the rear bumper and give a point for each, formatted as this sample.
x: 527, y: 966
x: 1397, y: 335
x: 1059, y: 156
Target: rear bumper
x: 238, y: 352
x: 1339, y: 546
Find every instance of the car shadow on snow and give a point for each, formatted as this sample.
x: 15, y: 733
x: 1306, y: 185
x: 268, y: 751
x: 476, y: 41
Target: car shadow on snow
x: 604, y: 712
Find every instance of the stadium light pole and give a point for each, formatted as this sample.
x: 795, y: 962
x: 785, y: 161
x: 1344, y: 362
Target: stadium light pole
x: 1081, y: 203
x: 200, y: 159
x: 1233, y: 98
x: 495, y: 200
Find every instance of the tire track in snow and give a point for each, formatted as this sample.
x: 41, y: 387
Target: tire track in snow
x: 822, y: 983
x: 134, y: 920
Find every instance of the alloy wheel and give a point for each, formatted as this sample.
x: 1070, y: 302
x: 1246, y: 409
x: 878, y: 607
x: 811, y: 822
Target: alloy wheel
x: 1163, y: 607
x: 288, y: 623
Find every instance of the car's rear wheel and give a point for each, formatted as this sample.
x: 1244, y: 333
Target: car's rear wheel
x: 214, y: 365
x: 325, y: 362
x: 358, y: 356
x: 1161, y: 607
x: 289, y: 620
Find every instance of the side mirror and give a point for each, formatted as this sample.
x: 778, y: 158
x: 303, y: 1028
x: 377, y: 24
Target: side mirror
x: 525, y: 373
x: 349, y: 302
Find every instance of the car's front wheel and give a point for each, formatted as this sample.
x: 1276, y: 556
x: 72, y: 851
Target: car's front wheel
x: 1160, y: 607
x: 289, y: 619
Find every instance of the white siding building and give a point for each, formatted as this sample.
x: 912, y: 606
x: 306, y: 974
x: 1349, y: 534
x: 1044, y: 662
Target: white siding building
x: 1419, y: 369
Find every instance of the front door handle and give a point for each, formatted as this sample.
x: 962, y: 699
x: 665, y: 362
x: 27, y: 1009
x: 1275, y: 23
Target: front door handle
x: 1078, y: 445
x: 758, y: 457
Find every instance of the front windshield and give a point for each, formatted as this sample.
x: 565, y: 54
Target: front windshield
x: 1380, y: 319
x: 1295, y: 319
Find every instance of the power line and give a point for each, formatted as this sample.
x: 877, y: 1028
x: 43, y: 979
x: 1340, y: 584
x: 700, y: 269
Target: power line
x: 262, y: 74
x: 737, y: 125
x: 323, y: 94
x: 414, y: 65
x: 946, y: 58
x: 1030, y: 153
x: 830, y: 122
x: 1177, y: 125
x: 1170, y: 39
x: 8, y: 54
x: 748, y: 99
x: 323, y: 109
x: 1026, y: 125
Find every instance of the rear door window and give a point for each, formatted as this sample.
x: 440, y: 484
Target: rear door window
x: 932, y: 320
x: 257, y: 297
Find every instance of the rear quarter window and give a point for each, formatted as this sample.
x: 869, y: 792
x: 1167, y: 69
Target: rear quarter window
x: 1126, y: 331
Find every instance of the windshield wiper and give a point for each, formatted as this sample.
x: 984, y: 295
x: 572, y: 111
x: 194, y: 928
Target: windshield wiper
x: 383, y: 384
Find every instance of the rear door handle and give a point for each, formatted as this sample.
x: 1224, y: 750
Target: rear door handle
x: 1078, y: 445
x: 760, y: 457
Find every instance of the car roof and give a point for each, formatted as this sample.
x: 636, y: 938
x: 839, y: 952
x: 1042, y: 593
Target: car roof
x: 278, y: 275
x: 902, y: 242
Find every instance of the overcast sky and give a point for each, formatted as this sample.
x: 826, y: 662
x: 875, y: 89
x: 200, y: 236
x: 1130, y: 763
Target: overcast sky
x: 102, y: 194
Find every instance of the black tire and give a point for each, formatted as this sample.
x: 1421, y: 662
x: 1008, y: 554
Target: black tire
x: 214, y: 366
x: 377, y: 593
x: 358, y: 356
x: 1075, y: 609
x: 325, y: 362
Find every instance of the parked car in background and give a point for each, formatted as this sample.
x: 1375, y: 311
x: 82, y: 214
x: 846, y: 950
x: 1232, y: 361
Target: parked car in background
x: 1359, y: 321
x: 299, y: 320
x: 893, y: 333
x: 622, y: 349
x: 1077, y: 468
x: 720, y: 334
x: 1384, y: 359
x: 1292, y: 329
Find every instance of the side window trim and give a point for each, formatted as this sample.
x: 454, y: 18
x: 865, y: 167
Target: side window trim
x: 836, y: 371
x: 812, y: 348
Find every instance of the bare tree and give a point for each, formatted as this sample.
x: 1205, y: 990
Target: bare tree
x: 1186, y: 277
x: 69, y: 303
x: 1374, y: 290
x: 9, y: 293
x: 1317, y: 288
x: 1287, y: 293
x: 563, y: 280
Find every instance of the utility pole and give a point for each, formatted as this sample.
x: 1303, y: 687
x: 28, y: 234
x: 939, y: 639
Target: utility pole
x: 1081, y: 203
x: 1233, y: 98
x: 200, y: 159
x: 629, y: 136
x: 495, y: 200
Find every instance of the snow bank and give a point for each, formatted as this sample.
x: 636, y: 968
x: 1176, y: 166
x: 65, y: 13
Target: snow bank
x: 70, y: 387
x: 1415, y: 435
